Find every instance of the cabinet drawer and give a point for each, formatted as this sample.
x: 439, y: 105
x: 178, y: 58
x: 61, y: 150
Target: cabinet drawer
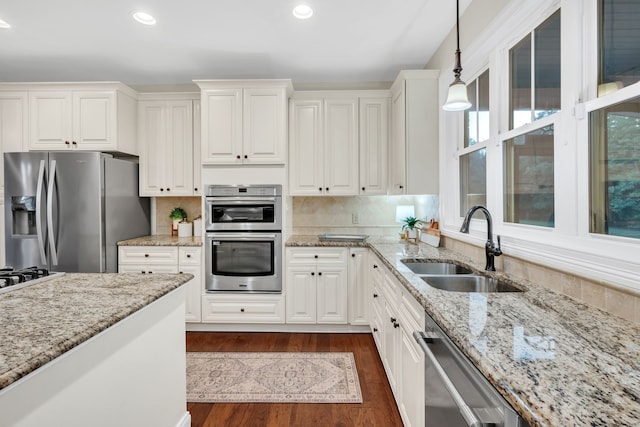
x: 189, y: 256
x: 318, y: 255
x: 147, y: 269
x: 242, y: 309
x: 147, y: 255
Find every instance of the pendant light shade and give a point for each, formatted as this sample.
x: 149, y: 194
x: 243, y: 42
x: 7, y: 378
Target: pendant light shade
x: 457, y: 99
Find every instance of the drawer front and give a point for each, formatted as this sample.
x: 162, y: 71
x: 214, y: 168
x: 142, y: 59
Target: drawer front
x: 147, y: 255
x: 189, y: 256
x: 237, y: 309
x: 318, y: 255
x: 147, y: 269
x: 391, y: 287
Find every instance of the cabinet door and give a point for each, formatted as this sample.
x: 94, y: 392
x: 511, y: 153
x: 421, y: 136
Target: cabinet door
x: 374, y: 135
x: 179, y: 149
x: 332, y: 294
x: 391, y: 334
x: 397, y: 147
x: 359, y: 289
x: 50, y: 120
x: 94, y: 120
x: 341, y: 146
x: 197, y: 150
x: 222, y: 126
x: 301, y: 294
x: 152, y: 122
x: 193, y: 304
x: 13, y: 130
x: 305, y: 148
x: 264, y: 121
x: 412, y: 383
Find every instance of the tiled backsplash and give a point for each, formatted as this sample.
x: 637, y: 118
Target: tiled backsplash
x: 164, y: 206
x: 622, y: 303
x: 375, y: 214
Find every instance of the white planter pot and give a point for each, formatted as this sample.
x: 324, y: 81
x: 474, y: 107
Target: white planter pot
x: 184, y: 229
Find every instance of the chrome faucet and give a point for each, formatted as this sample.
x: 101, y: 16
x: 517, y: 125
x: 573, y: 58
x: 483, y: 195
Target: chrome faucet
x: 490, y: 249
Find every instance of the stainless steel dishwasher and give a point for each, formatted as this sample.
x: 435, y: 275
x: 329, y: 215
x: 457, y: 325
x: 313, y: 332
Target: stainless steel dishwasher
x: 456, y: 393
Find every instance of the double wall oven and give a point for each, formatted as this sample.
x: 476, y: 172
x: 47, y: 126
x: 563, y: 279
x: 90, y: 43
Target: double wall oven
x: 243, y: 238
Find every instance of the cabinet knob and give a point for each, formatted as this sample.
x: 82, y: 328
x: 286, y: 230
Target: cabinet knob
x: 320, y: 189
x: 313, y: 274
x: 319, y: 273
x: 396, y: 325
x: 74, y: 143
x: 162, y: 189
x: 180, y: 272
x: 375, y: 329
x: 375, y: 266
x: 195, y: 189
x: 168, y: 189
x: 188, y: 255
x: 151, y: 272
x: 67, y: 142
x: 353, y: 255
x: 327, y: 188
x: 401, y: 187
x: 143, y: 272
x: 242, y: 310
x: 315, y: 256
x: 246, y: 157
x: 393, y: 319
x: 375, y: 295
x: 238, y: 156
x: 146, y: 255
x: 362, y: 188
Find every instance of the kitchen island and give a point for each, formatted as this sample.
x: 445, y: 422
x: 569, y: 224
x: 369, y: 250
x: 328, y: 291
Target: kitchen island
x: 94, y: 349
x: 558, y: 362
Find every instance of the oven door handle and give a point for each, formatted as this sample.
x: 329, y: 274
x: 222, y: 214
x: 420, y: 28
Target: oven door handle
x: 241, y: 236
x: 469, y: 417
x: 243, y: 201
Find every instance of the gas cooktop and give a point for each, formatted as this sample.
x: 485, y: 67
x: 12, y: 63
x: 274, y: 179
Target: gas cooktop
x: 12, y: 279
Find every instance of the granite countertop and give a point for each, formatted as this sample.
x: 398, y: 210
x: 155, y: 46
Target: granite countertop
x: 557, y: 361
x: 43, y: 321
x: 162, y: 240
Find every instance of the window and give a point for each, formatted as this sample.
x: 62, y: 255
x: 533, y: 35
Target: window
x: 619, y: 48
x: 473, y: 163
x: 535, y: 59
x: 529, y: 184
x: 615, y: 169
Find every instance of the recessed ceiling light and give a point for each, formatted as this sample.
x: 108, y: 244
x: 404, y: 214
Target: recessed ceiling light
x: 144, y: 18
x: 302, y: 11
x: 4, y: 24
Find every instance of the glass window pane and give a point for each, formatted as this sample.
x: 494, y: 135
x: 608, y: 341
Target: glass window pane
x: 483, y: 106
x: 471, y: 117
x: 528, y: 173
x: 619, y: 49
x: 520, y: 102
x: 615, y: 169
x: 547, y: 67
x: 473, y: 180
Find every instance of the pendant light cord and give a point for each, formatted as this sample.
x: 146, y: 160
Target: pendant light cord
x: 458, y: 66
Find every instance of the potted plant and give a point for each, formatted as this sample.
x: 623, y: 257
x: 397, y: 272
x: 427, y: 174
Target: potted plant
x: 177, y: 215
x: 409, y: 225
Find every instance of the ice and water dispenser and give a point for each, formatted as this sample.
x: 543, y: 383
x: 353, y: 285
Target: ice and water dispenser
x: 23, y: 215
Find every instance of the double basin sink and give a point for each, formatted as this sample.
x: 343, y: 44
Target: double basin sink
x: 452, y: 277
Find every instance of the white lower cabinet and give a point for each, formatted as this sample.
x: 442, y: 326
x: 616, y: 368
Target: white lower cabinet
x: 249, y: 308
x: 359, y: 287
x: 168, y: 259
x: 395, y: 315
x: 317, y: 285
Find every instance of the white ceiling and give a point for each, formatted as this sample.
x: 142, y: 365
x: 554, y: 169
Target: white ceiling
x: 345, y: 41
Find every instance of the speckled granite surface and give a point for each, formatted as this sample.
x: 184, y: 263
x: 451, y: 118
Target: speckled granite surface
x: 162, y: 240
x: 43, y: 321
x: 556, y: 361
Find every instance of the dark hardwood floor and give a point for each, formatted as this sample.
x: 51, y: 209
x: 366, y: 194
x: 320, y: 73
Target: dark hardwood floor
x: 378, y: 407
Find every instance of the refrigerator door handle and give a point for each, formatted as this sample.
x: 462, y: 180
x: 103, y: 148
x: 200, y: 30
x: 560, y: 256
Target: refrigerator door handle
x: 39, y: 233
x: 52, y: 242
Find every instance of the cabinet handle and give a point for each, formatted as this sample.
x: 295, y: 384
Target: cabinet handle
x: 168, y: 189
x: 375, y: 266
x: 327, y: 189
x: 146, y: 255
x: 393, y: 320
x: 375, y: 295
x: 375, y: 329
x: 162, y: 189
x: 180, y: 272
x: 246, y: 157
x: 315, y: 256
x: 195, y: 189
x: 67, y: 142
x: 362, y: 188
x: 320, y: 189
x: 242, y: 310
x: 401, y: 187
x: 353, y: 255
x: 151, y: 272
x: 313, y: 274
x: 396, y: 325
x: 74, y: 143
x: 238, y: 156
x: 143, y: 272
x: 319, y: 273
x: 188, y: 255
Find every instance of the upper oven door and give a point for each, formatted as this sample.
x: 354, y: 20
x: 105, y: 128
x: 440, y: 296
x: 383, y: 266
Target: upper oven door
x: 243, y: 213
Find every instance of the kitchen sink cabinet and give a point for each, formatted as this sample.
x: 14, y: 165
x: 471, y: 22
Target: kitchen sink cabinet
x: 168, y: 259
x: 395, y: 316
x: 323, y: 144
x: 13, y: 129
x: 317, y: 285
x: 413, y: 149
x: 168, y: 165
x: 93, y: 117
x: 244, y: 121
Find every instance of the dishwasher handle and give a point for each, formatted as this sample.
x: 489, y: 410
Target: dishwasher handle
x: 469, y: 416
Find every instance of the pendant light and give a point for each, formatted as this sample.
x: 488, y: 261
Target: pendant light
x: 457, y: 99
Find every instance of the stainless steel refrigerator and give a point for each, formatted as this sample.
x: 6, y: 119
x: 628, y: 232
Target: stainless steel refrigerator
x: 66, y: 211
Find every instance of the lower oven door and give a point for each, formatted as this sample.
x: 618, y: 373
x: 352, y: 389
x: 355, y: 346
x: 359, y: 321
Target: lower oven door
x: 244, y: 262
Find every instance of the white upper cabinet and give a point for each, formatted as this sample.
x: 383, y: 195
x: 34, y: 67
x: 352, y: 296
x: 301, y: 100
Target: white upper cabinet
x: 413, y: 150
x: 13, y: 129
x: 166, y: 134
x: 337, y: 143
x: 244, y: 121
x: 95, y: 117
x: 374, y: 139
x: 323, y: 143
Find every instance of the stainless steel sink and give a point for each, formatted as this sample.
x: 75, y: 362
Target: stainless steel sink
x: 435, y: 268
x: 470, y: 284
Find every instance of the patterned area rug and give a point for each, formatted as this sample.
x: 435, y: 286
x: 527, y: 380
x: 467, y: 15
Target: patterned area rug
x: 272, y: 377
